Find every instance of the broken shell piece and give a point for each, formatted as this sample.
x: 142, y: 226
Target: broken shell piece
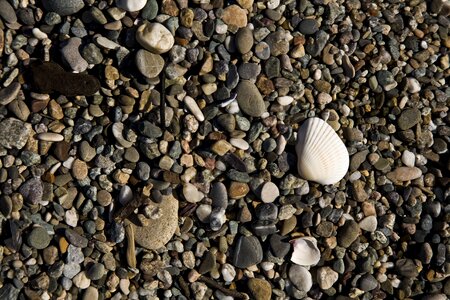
x: 305, y: 252
x: 322, y: 156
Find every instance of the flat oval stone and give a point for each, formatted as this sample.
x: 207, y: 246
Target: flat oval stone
x: 149, y: 64
x: 249, y: 99
x: 63, y: 8
x: 9, y: 93
x: 404, y: 174
x: 244, y: 40
x: 50, y: 137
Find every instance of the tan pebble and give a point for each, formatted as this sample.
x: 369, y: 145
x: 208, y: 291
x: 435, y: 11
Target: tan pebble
x: 50, y: 137
x: 79, y: 169
x: 234, y: 15
x: 238, y: 190
x: 221, y: 147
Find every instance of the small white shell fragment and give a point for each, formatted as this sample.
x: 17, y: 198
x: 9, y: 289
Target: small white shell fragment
x: 117, y: 129
x: 50, y: 137
x: 191, y: 193
x: 269, y: 192
x: 239, y: 143
x: 193, y: 108
x: 285, y: 100
x: 305, y: 252
x: 322, y: 156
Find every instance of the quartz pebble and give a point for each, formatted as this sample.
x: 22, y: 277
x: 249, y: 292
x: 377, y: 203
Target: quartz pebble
x: 154, y: 37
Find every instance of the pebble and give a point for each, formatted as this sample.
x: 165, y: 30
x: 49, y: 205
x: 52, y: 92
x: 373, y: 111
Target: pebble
x: 154, y: 37
x: 14, y: 133
x: 159, y: 231
x: 300, y: 277
x: 7, y: 12
x: 244, y: 40
x: 131, y: 5
x: 369, y: 223
x: 269, y: 192
x: 285, y: 100
x: 260, y: 288
x: 326, y: 277
x: 409, y: 118
x: 235, y: 16
x: 149, y: 64
x: 404, y: 174
x: 38, y: 238
x: 308, y: 26
x: 248, y: 252
x: 79, y: 169
x: 9, y: 93
x: 96, y: 271
x: 91, y: 293
x: 71, y: 55
x: 192, y: 106
x: 250, y: 99
x: 191, y: 193
x: 32, y: 190
x: 64, y: 9
x: 347, y: 233
x: 50, y: 137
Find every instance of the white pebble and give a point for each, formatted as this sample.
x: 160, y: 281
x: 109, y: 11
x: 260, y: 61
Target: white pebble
x: 233, y: 108
x: 191, y: 193
x: 408, y: 158
x: 81, y: 281
x: 269, y: 192
x: 228, y: 272
x: 193, y: 108
x: 203, y: 212
x: 285, y: 100
x: 71, y: 217
x: 272, y: 4
x: 39, y: 34
x: 50, y: 137
x: 369, y: 224
x: 239, y: 143
x: 131, y: 5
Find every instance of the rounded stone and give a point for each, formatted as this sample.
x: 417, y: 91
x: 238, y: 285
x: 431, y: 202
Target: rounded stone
x: 158, y: 231
x: 308, y: 26
x: 63, y: 8
x: 131, y: 5
x: 260, y: 288
x: 244, y: 40
x: 79, y: 169
x: 249, y: 99
x: 154, y: 37
x: 269, y: 192
x: 149, y: 64
x: 39, y: 238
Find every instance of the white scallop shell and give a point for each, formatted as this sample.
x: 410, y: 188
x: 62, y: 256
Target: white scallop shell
x: 322, y: 156
x: 305, y: 252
